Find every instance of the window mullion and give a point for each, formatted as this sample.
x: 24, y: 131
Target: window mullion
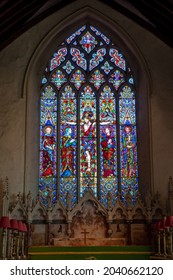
x: 78, y: 146
x: 98, y: 144
x: 58, y: 141
x: 118, y: 143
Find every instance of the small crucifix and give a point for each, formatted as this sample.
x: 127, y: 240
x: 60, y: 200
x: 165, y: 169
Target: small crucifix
x: 85, y: 234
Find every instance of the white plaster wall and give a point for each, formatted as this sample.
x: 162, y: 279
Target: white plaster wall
x: 14, y: 61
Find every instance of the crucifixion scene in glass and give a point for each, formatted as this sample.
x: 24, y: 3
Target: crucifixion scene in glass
x: 88, y: 133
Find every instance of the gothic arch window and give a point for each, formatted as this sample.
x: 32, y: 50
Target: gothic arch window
x: 88, y: 136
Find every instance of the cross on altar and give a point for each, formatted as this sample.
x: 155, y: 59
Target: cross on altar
x: 85, y: 234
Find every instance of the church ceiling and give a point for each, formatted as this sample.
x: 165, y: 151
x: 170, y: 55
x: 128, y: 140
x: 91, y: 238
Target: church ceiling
x: 19, y: 15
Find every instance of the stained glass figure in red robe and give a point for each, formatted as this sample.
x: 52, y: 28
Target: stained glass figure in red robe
x: 48, y: 151
x: 108, y: 149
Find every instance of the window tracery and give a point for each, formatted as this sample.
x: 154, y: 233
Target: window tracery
x: 88, y: 135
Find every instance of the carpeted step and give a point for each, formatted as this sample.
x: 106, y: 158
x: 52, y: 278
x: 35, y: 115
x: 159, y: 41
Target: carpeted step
x: 90, y: 252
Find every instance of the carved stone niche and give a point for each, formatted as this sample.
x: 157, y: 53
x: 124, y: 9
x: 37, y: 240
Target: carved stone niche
x: 38, y: 227
x: 58, y: 227
x: 58, y: 231
x: 139, y: 229
x: 139, y: 234
x: 91, y: 220
x: 38, y: 234
x: 157, y: 214
x: 119, y: 228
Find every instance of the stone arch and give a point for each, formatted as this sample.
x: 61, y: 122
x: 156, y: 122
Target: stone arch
x: 32, y: 82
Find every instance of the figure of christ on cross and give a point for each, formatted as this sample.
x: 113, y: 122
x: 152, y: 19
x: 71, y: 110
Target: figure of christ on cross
x: 84, y: 232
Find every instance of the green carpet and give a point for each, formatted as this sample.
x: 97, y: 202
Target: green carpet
x: 90, y: 252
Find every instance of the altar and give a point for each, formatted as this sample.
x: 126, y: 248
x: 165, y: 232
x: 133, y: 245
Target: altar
x: 89, y: 242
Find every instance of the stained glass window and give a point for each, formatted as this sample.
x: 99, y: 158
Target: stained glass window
x: 88, y: 134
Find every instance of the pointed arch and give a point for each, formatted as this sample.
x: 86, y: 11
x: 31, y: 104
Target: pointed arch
x: 56, y: 36
x: 97, y: 128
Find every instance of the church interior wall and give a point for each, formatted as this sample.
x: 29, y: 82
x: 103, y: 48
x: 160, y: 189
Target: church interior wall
x: 15, y: 58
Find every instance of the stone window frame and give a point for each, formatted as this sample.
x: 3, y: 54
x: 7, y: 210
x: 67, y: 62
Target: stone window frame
x: 31, y: 91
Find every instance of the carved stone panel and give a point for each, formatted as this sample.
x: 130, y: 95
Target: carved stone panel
x: 118, y: 230
x: 91, y: 221
x: 57, y: 231
x: 38, y: 234
x: 139, y: 234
